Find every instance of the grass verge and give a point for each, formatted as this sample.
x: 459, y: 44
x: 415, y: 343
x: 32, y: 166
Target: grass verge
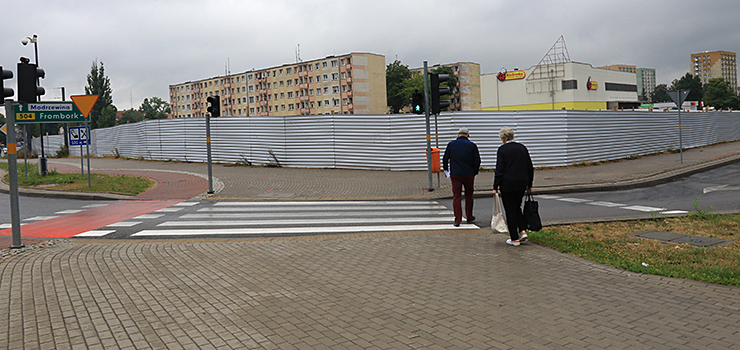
x: 77, y: 182
x: 609, y: 243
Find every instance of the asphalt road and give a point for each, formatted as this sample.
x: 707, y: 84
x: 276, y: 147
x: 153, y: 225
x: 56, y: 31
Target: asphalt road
x: 716, y: 190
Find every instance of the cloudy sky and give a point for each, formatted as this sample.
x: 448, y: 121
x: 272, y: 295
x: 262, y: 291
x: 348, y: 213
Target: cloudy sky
x: 146, y: 45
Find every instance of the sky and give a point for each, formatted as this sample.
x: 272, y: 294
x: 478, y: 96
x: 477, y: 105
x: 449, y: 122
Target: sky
x: 147, y: 45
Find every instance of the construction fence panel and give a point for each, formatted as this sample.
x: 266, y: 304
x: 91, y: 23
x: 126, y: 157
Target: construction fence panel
x: 399, y: 141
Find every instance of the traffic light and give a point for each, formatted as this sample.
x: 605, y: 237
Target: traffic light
x: 6, y: 74
x: 215, y: 107
x: 28, y: 75
x: 417, y: 102
x: 436, y: 91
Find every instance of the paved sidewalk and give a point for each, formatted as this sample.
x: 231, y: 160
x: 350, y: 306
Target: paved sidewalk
x: 242, y: 182
x: 430, y: 290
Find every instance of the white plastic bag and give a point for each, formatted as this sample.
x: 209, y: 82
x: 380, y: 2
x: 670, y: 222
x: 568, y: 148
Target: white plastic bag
x: 498, y: 222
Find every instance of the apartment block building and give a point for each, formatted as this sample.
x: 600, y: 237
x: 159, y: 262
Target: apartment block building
x: 467, y: 96
x: 715, y: 64
x: 352, y: 83
x: 645, y: 77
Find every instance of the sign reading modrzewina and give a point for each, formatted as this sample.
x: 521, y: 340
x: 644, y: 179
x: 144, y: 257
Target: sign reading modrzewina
x: 48, y: 112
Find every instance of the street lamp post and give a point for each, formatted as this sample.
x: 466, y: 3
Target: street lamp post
x: 42, y: 160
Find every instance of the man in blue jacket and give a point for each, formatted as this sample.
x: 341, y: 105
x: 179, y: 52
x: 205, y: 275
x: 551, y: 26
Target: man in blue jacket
x: 462, y: 160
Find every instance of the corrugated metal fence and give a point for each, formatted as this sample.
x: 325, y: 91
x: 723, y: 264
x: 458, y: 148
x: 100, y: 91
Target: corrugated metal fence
x: 398, y: 141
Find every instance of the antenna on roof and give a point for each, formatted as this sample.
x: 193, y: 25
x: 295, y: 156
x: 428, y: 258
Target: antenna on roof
x: 298, y: 54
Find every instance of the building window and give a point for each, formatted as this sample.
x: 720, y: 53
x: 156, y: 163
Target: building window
x: 288, y: 70
x: 290, y: 82
x: 324, y: 64
x: 570, y: 84
x: 334, y: 63
x: 620, y: 87
x: 290, y: 94
x: 335, y: 76
x: 291, y: 107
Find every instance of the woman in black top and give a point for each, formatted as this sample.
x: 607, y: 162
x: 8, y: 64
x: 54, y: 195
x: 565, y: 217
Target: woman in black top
x: 514, y: 175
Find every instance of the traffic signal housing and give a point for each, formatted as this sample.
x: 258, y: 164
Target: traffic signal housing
x: 28, y: 76
x: 215, y: 107
x: 6, y: 74
x: 417, y: 102
x: 436, y: 92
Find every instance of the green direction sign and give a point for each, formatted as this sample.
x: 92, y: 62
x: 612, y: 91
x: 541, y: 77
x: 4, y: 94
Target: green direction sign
x: 48, y: 112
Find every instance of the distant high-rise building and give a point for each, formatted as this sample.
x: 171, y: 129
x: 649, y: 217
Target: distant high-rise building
x: 645, y: 77
x: 715, y: 64
x: 645, y: 81
x: 352, y: 83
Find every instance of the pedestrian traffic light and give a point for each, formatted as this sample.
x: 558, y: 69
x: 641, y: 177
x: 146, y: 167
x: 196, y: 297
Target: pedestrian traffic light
x: 215, y: 107
x: 417, y: 102
x: 6, y: 74
x: 28, y: 76
x: 436, y: 91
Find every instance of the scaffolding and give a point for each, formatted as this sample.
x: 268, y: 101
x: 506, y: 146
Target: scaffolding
x: 553, y: 64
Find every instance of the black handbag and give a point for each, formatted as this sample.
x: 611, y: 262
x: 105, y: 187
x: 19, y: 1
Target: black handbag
x: 532, y: 213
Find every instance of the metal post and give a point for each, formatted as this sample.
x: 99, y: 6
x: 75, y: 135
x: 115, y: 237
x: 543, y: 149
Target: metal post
x: 208, y: 150
x: 680, y: 132
x: 15, y: 216
x: 26, y: 149
x: 436, y: 138
x: 429, y: 138
x: 87, y: 147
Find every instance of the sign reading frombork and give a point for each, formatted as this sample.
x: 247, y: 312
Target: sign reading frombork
x: 48, y: 112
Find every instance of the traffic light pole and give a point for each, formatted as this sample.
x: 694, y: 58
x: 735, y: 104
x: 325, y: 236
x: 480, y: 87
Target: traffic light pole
x: 208, y: 149
x: 15, y: 216
x: 429, y: 130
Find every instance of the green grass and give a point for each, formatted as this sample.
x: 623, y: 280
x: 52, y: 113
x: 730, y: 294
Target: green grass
x: 610, y: 244
x: 77, y: 182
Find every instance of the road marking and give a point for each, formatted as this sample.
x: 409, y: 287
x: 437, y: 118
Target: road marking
x: 317, y: 208
x: 70, y: 211
x: 301, y: 230
x: 313, y: 215
x: 721, y: 188
x: 41, y: 218
x: 321, y: 203
x: 547, y: 196
x: 186, y: 204
x: 95, y: 233
x: 124, y: 224
x: 644, y: 208
x: 148, y: 216
x: 674, y: 212
x: 306, y: 222
x: 574, y: 200
x: 607, y: 204
x: 168, y: 210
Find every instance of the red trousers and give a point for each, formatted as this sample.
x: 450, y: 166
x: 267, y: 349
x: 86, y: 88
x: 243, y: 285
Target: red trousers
x: 458, y: 182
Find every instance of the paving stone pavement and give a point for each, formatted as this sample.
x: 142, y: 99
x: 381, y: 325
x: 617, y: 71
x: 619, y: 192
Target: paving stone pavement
x: 407, y: 291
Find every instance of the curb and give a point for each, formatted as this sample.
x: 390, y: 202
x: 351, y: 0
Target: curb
x: 649, y: 181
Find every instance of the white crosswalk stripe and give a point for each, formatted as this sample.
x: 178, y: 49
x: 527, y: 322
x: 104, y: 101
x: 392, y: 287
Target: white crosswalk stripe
x: 306, y: 217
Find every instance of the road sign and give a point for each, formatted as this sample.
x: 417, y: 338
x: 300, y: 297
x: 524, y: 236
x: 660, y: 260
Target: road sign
x: 79, y: 135
x: 48, y: 112
x: 85, y: 103
x: 4, y: 129
x: 679, y: 96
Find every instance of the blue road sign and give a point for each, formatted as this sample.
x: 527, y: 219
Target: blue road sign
x: 79, y: 135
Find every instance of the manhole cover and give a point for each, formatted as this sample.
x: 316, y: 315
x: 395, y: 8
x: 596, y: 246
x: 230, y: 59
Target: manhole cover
x: 681, y: 238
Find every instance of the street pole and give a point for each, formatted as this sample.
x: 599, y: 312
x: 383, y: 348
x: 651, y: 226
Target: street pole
x: 680, y: 132
x: 87, y: 147
x: 208, y: 150
x: 15, y: 216
x: 429, y: 131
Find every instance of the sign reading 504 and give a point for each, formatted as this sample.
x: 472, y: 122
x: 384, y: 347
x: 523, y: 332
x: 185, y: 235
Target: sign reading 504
x: 25, y: 116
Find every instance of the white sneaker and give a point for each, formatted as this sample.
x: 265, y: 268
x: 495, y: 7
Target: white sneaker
x: 523, y: 238
x: 510, y: 242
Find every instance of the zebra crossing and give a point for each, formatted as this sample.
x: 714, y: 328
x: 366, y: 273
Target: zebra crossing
x: 274, y: 218
x: 641, y: 208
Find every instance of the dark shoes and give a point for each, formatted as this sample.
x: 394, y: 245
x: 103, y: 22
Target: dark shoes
x: 457, y: 224
x: 471, y: 220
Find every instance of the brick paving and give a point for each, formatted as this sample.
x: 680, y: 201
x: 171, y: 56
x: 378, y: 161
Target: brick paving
x: 406, y: 291
x: 441, y: 290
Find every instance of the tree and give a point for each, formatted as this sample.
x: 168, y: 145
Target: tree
x: 154, y: 108
x: 107, y: 117
x: 689, y: 82
x: 131, y: 116
x: 99, y: 84
x: 396, y: 74
x: 660, y: 94
x: 719, y: 94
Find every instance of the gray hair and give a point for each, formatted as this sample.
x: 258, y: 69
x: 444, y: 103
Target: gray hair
x: 463, y: 131
x: 506, y: 134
